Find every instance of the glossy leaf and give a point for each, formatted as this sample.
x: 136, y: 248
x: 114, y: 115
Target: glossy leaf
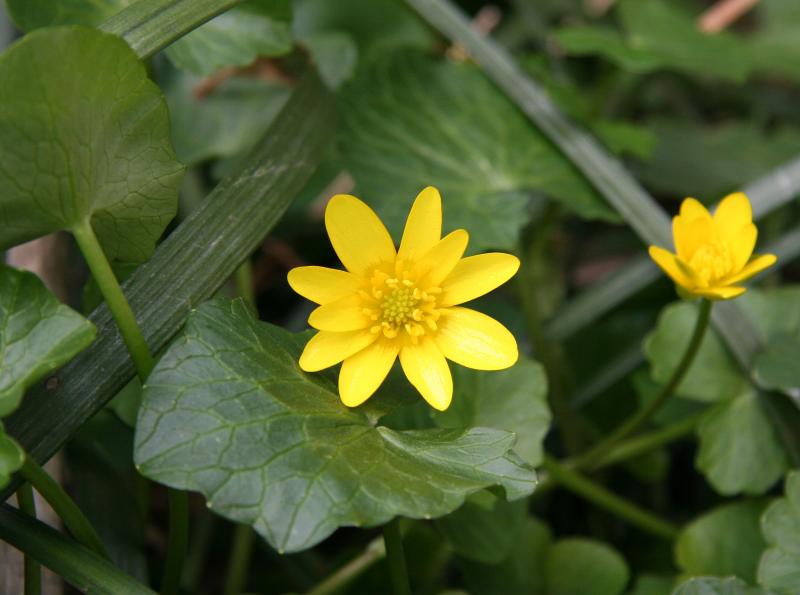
x: 409, y: 118
x: 235, y: 38
x: 713, y: 375
x: 722, y: 542
x: 776, y: 367
x: 11, y: 457
x: 38, y: 334
x: 718, y: 586
x: 34, y: 14
x: 228, y: 412
x: 740, y: 451
x: 779, y: 568
x: 659, y: 35
x: 514, y: 400
x: 81, y: 143
x: 579, y: 566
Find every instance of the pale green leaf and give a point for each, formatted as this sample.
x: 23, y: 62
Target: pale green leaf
x: 777, y: 367
x: 38, y: 334
x: 740, y: 451
x: 579, y: 566
x: 779, y: 568
x: 412, y: 121
x: 722, y: 542
x: 84, y: 134
x: 229, y: 413
x: 717, y: 586
x: 514, y: 400
x: 235, y: 38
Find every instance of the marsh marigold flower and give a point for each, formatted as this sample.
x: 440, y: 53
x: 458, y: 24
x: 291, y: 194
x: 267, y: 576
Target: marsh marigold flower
x: 713, y: 253
x: 402, y: 303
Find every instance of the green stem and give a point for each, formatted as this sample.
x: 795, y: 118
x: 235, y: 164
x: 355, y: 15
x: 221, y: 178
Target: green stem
x: 115, y: 299
x: 637, y: 421
x: 143, y: 360
x: 393, y: 541
x: 597, y: 494
x: 374, y: 552
x: 63, y: 505
x: 178, y: 541
x: 244, y: 282
x: 33, y: 570
x: 241, y: 552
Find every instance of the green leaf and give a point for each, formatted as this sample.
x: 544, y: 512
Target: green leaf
x: 779, y: 568
x: 81, y: 143
x: 34, y: 14
x: 235, y: 38
x: 411, y: 121
x: 717, y: 586
x: 38, y: 334
x: 579, y: 566
x: 739, y: 449
x: 776, y: 367
x: 335, y: 55
x: 485, y: 528
x: 659, y: 35
x: 11, y: 457
x: 521, y: 573
x: 725, y: 541
x: 228, y: 412
x: 226, y: 123
x: 713, y: 376
x: 648, y: 584
x: 514, y: 400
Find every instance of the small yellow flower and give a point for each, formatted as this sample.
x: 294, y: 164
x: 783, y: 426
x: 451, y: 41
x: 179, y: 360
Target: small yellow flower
x: 405, y: 302
x: 714, y: 253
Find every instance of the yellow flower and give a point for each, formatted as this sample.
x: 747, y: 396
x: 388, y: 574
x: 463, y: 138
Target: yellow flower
x: 714, y: 253
x: 405, y: 302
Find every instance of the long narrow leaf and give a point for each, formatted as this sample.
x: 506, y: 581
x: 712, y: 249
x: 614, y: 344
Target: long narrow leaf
x: 151, y: 25
x: 80, y: 567
x: 187, y: 268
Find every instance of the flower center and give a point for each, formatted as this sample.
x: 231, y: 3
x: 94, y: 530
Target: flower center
x: 711, y: 261
x: 399, y: 305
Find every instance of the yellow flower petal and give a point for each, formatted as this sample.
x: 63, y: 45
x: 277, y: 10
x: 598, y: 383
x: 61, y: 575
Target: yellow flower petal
x: 440, y: 260
x: 427, y: 369
x: 741, y: 246
x: 732, y: 214
x: 687, y: 235
x: 346, y: 314
x: 475, y: 276
x: 323, y: 285
x: 358, y: 236
x: 364, y: 372
x: 672, y: 266
x: 475, y: 340
x: 691, y: 209
x: 755, y: 266
x: 719, y: 293
x: 327, y: 349
x: 423, y: 226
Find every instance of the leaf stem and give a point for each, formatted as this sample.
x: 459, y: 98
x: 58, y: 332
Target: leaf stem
x: 374, y: 552
x: 398, y: 572
x: 74, y: 520
x: 115, y: 299
x: 597, y: 494
x: 244, y: 282
x: 178, y: 541
x: 638, y: 420
x: 238, y: 563
x: 33, y: 570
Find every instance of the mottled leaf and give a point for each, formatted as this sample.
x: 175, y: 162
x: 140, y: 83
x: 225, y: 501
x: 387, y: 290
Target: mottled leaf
x: 38, y: 334
x: 411, y: 121
x: 84, y: 134
x: 229, y: 413
x: 235, y: 38
x: 514, y: 400
x: 722, y: 542
x: 779, y: 568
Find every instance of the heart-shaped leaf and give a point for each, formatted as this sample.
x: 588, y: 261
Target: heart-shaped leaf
x: 84, y: 135
x: 779, y: 568
x: 38, y: 334
x: 776, y: 367
x: 229, y: 413
x: 410, y: 121
x: 579, y: 566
